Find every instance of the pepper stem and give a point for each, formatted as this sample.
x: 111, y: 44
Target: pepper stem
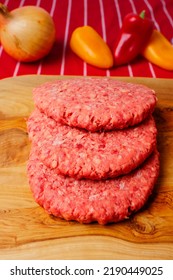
x: 142, y: 14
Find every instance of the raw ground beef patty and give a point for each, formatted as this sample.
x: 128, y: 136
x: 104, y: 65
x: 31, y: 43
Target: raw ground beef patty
x: 87, y: 201
x: 82, y: 154
x: 95, y: 103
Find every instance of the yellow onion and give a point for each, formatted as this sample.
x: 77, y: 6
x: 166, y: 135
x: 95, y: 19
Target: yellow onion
x: 26, y: 33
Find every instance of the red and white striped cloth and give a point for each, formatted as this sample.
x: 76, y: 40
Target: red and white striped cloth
x: 106, y: 17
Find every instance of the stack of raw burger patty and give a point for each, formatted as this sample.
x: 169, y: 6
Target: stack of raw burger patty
x: 93, y: 154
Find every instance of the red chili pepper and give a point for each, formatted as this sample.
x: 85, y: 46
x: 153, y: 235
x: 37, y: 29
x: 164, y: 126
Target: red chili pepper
x: 134, y: 35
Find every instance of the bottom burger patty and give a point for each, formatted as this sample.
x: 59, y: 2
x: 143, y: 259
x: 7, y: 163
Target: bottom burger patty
x: 86, y: 200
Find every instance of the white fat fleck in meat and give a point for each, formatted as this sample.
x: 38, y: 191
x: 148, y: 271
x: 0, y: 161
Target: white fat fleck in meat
x: 54, y: 164
x: 58, y: 140
x: 94, y: 197
x: 121, y: 186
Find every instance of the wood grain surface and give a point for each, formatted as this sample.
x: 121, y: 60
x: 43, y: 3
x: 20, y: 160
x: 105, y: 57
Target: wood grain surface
x: 27, y: 232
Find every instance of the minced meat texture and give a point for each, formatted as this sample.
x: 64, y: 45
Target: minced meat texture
x: 82, y: 154
x: 95, y: 103
x: 87, y: 201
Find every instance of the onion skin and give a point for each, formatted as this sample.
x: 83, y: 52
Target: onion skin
x: 27, y: 33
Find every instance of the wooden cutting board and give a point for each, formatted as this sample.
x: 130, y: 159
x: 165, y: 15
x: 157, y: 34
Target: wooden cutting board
x: 27, y: 232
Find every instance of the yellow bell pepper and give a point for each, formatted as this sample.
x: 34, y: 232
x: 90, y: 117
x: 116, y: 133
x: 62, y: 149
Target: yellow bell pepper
x: 89, y: 46
x: 159, y: 51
